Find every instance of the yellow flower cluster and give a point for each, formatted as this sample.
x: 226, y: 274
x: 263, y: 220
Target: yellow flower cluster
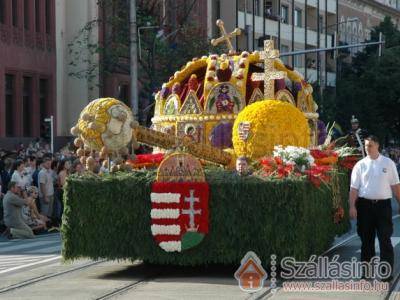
x: 272, y: 122
x: 95, y: 113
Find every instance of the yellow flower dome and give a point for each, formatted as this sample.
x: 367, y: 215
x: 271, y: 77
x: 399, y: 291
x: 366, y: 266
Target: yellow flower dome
x: 271, y: 122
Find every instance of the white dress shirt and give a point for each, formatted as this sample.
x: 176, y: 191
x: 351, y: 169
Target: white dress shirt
x: 373, y: 178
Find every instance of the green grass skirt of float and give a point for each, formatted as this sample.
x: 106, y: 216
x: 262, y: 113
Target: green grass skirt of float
x: 109, y: 217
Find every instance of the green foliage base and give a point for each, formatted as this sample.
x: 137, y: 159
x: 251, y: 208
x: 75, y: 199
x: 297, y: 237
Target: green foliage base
x: 109, y: 217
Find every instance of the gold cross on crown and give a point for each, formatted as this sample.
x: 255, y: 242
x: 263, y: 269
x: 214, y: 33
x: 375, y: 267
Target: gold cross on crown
x: 269, y: 55
x: 226, y: 37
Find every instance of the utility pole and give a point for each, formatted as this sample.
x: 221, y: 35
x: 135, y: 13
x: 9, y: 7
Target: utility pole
x: 134, y: 61
x: 380, y: 44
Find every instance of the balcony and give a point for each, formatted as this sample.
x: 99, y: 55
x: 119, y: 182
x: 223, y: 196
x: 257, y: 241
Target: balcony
x: 271, y: 28
x: 313, y: 3
x: 312, y: 76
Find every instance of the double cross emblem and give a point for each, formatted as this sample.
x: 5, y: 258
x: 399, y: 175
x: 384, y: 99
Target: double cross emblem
x: 270, y: 74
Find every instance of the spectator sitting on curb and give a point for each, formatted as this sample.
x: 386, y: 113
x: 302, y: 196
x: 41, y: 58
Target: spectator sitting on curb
x: 31, y: 215
x: 12, y: 205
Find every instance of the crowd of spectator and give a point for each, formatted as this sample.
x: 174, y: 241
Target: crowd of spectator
x: 394, y: 154
x: 32, y: 180
x: 31, y: 188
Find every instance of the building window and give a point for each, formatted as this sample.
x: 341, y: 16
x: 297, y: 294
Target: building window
x: 298, y: 60
x: 48, y: 16
x: 285, y: 14
x: 37, y: 15
x: 268, y: 9
x: 257, y: 7
x: 14, y: 9
x: 27, y: 106
x: 2, y: 9
x: 297, y: 17
x: 43, y: 96
x: 27, y: 16
x: 10, y: 90
x: 285, y: 59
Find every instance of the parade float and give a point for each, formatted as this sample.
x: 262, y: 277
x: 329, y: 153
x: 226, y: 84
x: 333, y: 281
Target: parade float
x: 188, y: 205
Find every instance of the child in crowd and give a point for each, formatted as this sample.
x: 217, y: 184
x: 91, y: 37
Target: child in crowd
x: 30, y: 213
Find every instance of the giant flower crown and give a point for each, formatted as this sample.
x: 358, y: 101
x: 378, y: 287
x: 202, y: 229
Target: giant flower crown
x: 203, y: 99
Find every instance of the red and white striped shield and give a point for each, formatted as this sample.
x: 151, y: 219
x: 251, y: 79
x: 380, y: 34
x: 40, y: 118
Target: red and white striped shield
x: 179, y: 214
x: 244, y: 130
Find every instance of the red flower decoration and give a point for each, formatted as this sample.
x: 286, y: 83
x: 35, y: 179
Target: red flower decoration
x: 339, y: 215
x: 318, y: 174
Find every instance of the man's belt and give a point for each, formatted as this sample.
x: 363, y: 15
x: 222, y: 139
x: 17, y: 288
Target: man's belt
x: 374, y: 200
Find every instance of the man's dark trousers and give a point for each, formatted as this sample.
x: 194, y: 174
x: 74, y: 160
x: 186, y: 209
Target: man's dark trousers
x: 375, y: 218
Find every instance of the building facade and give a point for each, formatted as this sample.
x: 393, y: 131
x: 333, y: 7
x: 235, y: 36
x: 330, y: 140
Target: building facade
x: 37, y: 59
x: 357, y: 18
x: 293, y: 25
x: 74, y: 92
x: 27, y: 66
x: 297, y: 25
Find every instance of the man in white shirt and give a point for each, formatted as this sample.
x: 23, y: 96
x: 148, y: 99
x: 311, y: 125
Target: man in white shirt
x: 374, y: 180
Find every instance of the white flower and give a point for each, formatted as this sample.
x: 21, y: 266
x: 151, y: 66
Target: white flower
x: 171, y: 246
x: 294, y: 155
x: 165, y: 213
x: 165, y: 229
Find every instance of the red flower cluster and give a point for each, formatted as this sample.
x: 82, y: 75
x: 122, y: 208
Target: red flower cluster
x: 317, y: 153
x: 147, y: 160
x: 318, y: 174
x: 275, y: 166
x: 348, y: 162
x: 324, y: 157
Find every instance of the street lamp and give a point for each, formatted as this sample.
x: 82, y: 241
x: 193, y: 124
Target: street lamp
x: 51, y: 123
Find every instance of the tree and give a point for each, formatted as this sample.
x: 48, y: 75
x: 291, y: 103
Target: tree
x: 164, y: 49
x: 368, y: 87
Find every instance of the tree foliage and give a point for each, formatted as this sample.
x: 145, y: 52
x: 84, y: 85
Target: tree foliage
x: 368, y: 87
x: 164, y: 49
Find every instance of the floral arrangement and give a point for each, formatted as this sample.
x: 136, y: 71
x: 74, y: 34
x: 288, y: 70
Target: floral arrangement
x: 319, y: 166
x: 272, y: 123
x: 298, y: 156
x: 319, y: 174
x: 275, y: 167
x: 146, y: 160
x: 348, y: 157
x: 294, y: 162
x: 324, y: 157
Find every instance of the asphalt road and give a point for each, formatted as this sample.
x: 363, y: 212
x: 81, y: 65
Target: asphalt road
x: 33, y: 269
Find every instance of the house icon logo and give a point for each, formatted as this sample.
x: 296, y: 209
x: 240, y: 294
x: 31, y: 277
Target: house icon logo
x: 251, y: 275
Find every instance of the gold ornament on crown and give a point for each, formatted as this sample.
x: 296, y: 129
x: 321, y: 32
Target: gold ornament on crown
x: 270, y: 74
x: 226, y: 37
x: 202, y: 100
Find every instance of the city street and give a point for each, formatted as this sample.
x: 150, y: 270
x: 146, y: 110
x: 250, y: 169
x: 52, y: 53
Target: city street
x: 31, y: 269
x: 199, y: 149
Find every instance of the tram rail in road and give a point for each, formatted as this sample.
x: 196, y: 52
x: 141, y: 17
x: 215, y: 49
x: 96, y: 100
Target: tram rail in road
x: 143, y: 274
